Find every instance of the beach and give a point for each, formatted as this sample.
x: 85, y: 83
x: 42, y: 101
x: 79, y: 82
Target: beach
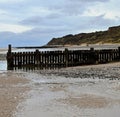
x: 82, y: 91
x: 85, y: 91
x: 13, y: 87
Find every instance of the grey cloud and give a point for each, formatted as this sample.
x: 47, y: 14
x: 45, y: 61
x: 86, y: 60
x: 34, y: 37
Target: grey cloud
x: 13, y: 7
x: 48, y: 31
x: 35, y: 37
x: 72, y: 8
x: 22, y: 39
x: 101, y: 21
x: 54, y: 16
x: 83, y: 1
x: 96, y: 23
x: 35, y: 20
x: 68, y: 24
x: 40, y: 36
x: 77, y: 7
x: 57, y: 23
x: 41, y: 20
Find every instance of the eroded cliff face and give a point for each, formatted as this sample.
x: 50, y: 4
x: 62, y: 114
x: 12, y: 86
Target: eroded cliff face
x: 112, y: 35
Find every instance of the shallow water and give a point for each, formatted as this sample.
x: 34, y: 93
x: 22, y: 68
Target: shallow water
x: 113, y: 46
x: 3, y: 65
x: 71, y: 48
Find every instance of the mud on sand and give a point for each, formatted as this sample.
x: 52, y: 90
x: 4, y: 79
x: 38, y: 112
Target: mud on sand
x: 13, y: 87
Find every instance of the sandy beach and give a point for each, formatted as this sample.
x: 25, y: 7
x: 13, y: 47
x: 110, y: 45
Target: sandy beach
x: 85, y: 91
x: 13, y: 87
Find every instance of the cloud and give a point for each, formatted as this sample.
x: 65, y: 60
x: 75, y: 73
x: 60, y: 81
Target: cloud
x: 44, y: 31
x: 36, y: 36
x: 39, y: 21
x: 2, y: 12
x: 41, y: 35
x: 51, y: 19
x: 95, y: 23
x: 76, y: 7
x: 10, y: 1
x: 110, y: 10
x: 13, y: 28
x: 89, y: 1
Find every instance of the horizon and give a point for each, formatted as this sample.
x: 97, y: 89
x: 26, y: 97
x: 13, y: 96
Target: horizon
x: 35, y: 23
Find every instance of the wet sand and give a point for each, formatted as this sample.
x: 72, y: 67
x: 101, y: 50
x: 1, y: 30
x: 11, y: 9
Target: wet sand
x: 86, y: 91
x: 13, y: 87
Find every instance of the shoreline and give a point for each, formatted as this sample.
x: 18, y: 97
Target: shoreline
x: 64, y: 46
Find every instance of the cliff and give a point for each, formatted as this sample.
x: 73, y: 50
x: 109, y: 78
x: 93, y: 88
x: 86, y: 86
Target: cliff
x: 112, y: 35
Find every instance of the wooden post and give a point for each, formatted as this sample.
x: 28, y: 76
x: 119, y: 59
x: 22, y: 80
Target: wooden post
x: 91, y: 49
x: 66, y: 57
x: 119, y: 52
x: 9, y: 58
x: 92, y: 56
x: 9, y: 48
x: 37, y: 58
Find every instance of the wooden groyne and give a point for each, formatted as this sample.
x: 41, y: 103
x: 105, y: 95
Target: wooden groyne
x: 66, y: 58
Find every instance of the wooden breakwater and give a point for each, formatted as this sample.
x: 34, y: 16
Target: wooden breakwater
x: 66, y: 58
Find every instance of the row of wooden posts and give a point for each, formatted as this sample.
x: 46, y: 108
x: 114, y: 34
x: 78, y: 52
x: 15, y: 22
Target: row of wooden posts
x: 65, y: 58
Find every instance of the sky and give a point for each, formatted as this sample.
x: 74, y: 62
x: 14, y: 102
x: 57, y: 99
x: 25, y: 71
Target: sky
x: 36, y: 22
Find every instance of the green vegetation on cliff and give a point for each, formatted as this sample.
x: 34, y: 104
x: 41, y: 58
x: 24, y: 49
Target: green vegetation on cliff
x: 112, y: 35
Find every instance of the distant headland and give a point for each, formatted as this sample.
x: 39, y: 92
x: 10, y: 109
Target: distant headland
x: 110, y: 36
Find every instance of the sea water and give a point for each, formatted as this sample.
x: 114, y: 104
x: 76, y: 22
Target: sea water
x: 3, y: 65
